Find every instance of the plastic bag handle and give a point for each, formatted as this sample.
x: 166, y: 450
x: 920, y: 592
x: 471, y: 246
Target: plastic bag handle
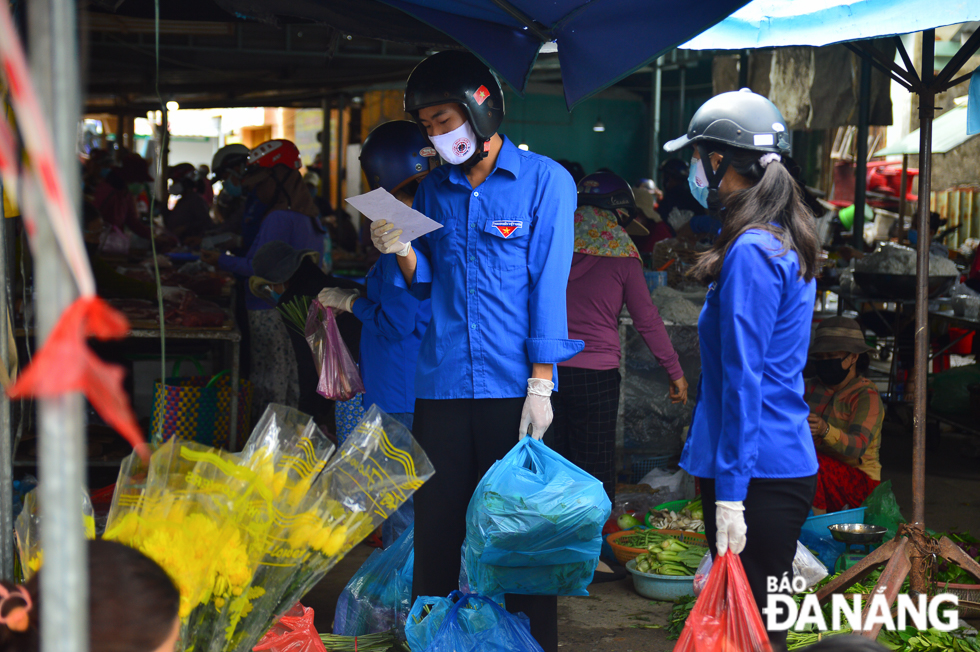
x: 532, y: 460
x: 450, y: 621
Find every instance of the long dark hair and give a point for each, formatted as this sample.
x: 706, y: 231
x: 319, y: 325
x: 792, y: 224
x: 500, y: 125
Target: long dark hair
x: 133, y: 603
x: 773, y: 203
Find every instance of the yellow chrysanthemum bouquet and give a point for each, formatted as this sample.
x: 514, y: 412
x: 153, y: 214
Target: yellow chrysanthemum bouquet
x: 245, y: 536
x: 27, y: 531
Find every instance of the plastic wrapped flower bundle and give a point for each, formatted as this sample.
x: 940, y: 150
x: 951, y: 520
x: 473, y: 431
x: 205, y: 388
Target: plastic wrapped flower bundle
x: 245, y: 536
x: 27, y: 531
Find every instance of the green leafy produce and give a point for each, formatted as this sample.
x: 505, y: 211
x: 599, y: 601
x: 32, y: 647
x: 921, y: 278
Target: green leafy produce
x: 928, y: 640
x: 383, y: 642
x: 670, y: 557
x: 678, y: 616
x: 294, y: 313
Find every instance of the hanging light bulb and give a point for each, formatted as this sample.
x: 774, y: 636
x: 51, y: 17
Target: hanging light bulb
x: 523, y: 146
x: 172, y: 105
x: 598, y: 127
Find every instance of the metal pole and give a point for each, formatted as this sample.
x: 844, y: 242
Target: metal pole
x: 927, y: 102
x: 658, y: 89
x: 743, y: 69
x: 325, y: 150
x: 901, y: 199
x: 681, y: 123
x: 52, y: 27
x: 163, y: 155
x: 6, y: 440
x: 861, y: 167
x: 340, y: 152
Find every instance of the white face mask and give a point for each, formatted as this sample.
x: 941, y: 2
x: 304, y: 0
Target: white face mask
x: 456, y: 146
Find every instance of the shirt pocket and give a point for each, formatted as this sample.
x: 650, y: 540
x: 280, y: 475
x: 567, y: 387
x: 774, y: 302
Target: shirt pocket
x: 505, y: 242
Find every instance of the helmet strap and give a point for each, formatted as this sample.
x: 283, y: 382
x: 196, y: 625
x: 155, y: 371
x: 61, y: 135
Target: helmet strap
x: 480, y: 154
x: 714, y: 176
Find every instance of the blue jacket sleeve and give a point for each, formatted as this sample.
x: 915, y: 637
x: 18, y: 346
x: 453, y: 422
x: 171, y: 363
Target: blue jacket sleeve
x: 549, y: 260
x: 750, y: 289
x: 274, y: 227
x: 387, y: 310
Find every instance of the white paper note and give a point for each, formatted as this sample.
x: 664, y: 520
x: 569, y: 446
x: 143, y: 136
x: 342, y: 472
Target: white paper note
x: 381, y: 205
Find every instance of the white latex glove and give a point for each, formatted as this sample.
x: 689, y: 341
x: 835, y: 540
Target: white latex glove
x: 730, y: 519
x: 386, y: 238
x: 537, y: 411
x: 337, y: 298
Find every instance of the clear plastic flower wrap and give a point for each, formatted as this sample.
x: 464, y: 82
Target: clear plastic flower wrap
x: 245, y: 536
x: 27, y: 531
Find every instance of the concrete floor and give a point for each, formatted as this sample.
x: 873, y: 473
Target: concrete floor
x: 607, y: 619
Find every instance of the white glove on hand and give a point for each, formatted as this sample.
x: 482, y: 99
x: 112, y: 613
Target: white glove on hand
x: 385, y: 238
x: 337, y: 298
x: 537, y: 411
x: 730, y: 519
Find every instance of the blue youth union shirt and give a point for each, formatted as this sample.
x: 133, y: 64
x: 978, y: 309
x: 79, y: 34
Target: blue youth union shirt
x: 750, y: 420
x: 393, y: 324
x: 496, y: 273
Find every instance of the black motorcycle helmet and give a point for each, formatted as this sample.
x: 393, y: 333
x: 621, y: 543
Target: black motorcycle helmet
x: 737, y: 119
x: 609, y: 191
x: 456, y: 76
x: 395, y: 154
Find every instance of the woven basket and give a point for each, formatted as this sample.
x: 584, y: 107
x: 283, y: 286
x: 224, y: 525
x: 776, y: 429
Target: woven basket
x: 625, y: 554
x: 968, y: 594
x: 198, y: 408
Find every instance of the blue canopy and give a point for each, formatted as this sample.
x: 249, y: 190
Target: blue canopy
x: 779, y: 23
x: 599, y: 43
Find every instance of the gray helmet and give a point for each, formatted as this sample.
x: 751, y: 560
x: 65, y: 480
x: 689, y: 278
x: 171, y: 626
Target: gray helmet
x: 739, y: 119
x: 454, y: 76
x: 735, y: 120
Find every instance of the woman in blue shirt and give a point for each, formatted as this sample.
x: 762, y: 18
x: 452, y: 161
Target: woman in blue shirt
x: 749, y: 441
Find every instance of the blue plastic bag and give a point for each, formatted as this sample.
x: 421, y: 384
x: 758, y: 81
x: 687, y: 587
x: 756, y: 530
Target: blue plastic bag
x: 379, y: 595
x: 534, y: 525
x: 470, y: 622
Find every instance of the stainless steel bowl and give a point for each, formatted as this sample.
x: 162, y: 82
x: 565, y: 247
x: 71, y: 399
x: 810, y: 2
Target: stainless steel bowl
x: 857, y: 532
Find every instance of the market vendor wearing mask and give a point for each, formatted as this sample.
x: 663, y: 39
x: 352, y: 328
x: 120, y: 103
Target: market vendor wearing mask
x: 496, y: 273
x: 749, y: 441
x: 228, y: 167
x: 845, y: 419
x: 280, y: 208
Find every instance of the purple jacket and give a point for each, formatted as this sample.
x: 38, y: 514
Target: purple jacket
x: 598, y: 287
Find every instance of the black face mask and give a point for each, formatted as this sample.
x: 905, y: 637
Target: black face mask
x: 830, y: 371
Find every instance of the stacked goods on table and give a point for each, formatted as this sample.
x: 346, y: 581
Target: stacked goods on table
x: 244, y: 536
x: 189, y: 312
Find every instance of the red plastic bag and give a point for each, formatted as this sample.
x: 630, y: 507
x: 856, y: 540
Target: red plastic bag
x: 293, y: 633
x: 725, y: 618
x: 339, y: 377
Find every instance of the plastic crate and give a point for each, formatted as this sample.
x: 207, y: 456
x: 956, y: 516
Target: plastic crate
x: 640, y: 465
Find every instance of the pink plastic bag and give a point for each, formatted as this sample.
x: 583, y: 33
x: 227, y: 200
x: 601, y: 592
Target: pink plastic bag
x: 293, y: 633
x: 339, y: 377
x: 725, y: 618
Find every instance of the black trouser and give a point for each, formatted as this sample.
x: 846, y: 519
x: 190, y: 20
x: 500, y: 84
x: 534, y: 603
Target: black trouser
x: 584, y: 430
x: 774, y: 513
x: 463, y: 438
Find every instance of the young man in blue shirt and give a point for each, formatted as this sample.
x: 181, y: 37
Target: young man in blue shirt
x: 496, y: 273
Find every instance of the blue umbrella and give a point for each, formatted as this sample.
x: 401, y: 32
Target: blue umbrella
x: 599, y: 41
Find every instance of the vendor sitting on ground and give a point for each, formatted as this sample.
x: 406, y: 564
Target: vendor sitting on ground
x: 845, y: 416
